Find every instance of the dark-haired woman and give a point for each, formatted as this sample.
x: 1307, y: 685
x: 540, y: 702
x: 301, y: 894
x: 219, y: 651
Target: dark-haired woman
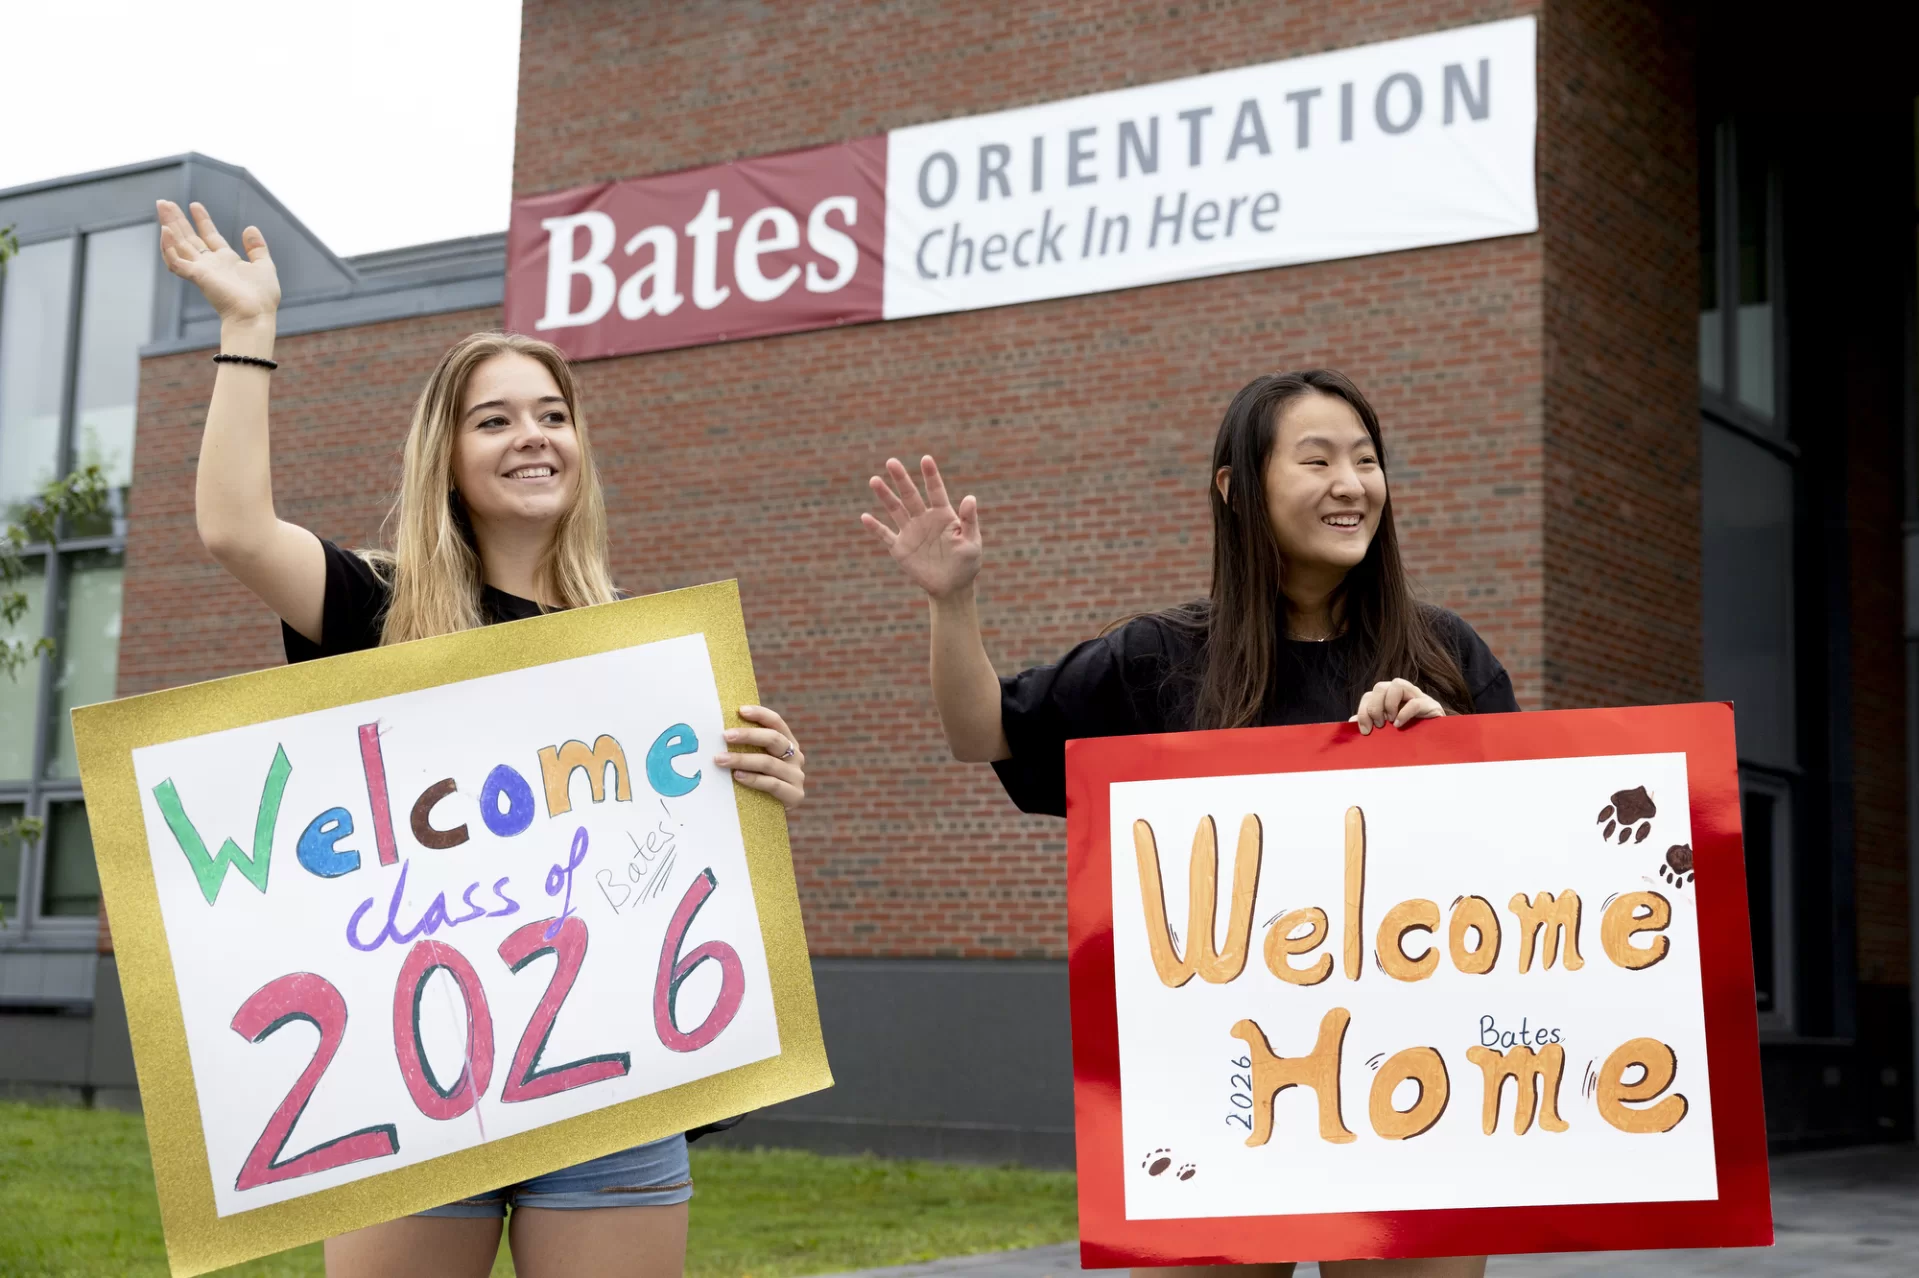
x: 1310, y: 620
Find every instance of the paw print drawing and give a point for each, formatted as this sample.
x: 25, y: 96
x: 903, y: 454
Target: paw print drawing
x: 1678, y: 867
x: 1630, y: 813
x: 1157, y: 1161
x: 1186, y: 1171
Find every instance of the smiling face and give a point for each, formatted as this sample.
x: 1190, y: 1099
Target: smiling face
x: 1325, y: 487
x: 516, y: 458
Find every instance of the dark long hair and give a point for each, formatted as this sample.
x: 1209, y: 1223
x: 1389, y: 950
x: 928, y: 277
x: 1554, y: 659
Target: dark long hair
x: 1389, y: 634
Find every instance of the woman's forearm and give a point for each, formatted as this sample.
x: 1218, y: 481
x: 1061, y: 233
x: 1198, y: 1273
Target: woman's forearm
x: 233, y: 489
x: 965, y: 686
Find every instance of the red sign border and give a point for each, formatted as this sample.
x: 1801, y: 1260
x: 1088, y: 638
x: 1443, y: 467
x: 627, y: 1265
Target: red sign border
x: 1742, y: 1214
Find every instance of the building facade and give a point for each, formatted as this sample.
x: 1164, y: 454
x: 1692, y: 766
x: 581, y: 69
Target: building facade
x: 1659, y: 450
x: 86, y: 293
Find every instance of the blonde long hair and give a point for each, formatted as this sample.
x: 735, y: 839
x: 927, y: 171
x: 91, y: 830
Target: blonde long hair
x: 434, y: 566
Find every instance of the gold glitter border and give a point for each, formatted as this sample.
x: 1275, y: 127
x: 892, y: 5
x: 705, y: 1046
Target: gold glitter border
x: 106, y: 735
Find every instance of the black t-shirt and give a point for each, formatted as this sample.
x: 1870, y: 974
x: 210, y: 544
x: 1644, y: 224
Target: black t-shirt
x: 1144, y: 676
x: 355, y: 609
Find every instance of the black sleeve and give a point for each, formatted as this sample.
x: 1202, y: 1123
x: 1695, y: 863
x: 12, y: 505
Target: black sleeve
x: 354, y: 610
x: 1106, y: 687
x: 1486, y: 680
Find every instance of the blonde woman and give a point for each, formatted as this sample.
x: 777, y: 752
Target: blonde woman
x: 500, y: 517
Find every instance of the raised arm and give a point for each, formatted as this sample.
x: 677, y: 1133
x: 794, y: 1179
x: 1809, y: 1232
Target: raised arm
x: 938, y: 548
x: 233, y: 494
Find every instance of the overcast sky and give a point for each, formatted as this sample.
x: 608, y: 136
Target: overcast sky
x: 379, y: 123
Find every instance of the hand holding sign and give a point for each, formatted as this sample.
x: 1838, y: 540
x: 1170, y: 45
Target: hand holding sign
x: 1398, y: 702
x: 779, y: 769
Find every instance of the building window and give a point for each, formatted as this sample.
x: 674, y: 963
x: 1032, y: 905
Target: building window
x: 20, y: 696
x: 71, y: 881
x: 9, y: 863
x: 1750, y: 481
x: 35, y: 299
x: 1766, y: 815
x: 74, y: 312
x: 85, y: 659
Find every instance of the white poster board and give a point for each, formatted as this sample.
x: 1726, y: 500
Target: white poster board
x: 1454, y: 836
x: 622, y: 852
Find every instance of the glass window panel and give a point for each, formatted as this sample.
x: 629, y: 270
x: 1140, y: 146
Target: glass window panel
x: 88, y: 656
x: 1757, y: 379
x: 1712, y: 321
x: 1757, y: 812
x: 72, y: 879
x: 116, y: 320
x: 11, y: 858
x: 20, y: 691
x: 35, y: 296
x: 1748, y: 593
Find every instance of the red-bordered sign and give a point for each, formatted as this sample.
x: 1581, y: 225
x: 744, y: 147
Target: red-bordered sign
x: 1740, y: 1215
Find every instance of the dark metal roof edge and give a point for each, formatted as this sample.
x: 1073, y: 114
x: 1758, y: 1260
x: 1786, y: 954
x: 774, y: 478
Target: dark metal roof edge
x: 299, y: 319
x: 469, y: 248
x: 118, y: 171
x: 188, y: 161
x: 266, y: 194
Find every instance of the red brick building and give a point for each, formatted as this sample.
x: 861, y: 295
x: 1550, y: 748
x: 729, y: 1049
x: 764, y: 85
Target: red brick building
x: 1637, y: 490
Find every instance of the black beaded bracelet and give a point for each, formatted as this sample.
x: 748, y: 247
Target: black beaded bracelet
x: 255, y: 360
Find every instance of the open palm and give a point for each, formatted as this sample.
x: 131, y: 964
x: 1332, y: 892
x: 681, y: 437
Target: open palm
x: 238, y: 288
x: 935, y: 544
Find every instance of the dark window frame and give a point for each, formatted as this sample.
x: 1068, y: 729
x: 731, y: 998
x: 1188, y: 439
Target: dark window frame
x: 1786, y: 787
x: 27, y: 928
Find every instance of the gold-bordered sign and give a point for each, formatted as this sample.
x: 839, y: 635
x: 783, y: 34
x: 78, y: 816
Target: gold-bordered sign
x: 199, y: 1238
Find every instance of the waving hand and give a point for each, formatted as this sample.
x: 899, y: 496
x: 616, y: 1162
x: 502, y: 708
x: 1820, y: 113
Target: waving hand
x: 239, y: 288
x: 935, y: 544
x: 939, y: 548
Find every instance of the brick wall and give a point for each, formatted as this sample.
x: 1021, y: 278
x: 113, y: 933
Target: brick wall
x: 340, y: 407
x: 1880, y: 866
x: 610, y: 90
x: 1512, y: 407
x: 1082, y: 425
x: 1618, y: 214
x: 341, y: 401
x: 1868, y: 391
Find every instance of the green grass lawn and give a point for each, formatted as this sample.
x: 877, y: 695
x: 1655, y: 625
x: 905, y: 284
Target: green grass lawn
x: 76, y: 1197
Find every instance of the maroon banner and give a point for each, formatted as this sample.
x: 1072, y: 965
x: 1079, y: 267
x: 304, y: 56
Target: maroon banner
x: 775, y: 244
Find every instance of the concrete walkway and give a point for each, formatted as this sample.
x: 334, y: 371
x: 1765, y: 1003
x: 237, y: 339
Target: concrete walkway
x: 1851, y: 1213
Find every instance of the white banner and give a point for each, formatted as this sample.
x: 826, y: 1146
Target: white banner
x: 1399, y: 145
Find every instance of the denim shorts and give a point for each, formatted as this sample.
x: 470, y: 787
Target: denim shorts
x: 650, y: 1175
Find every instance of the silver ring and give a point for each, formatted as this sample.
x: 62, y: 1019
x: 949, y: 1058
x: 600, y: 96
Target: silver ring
x: 789, y: 751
